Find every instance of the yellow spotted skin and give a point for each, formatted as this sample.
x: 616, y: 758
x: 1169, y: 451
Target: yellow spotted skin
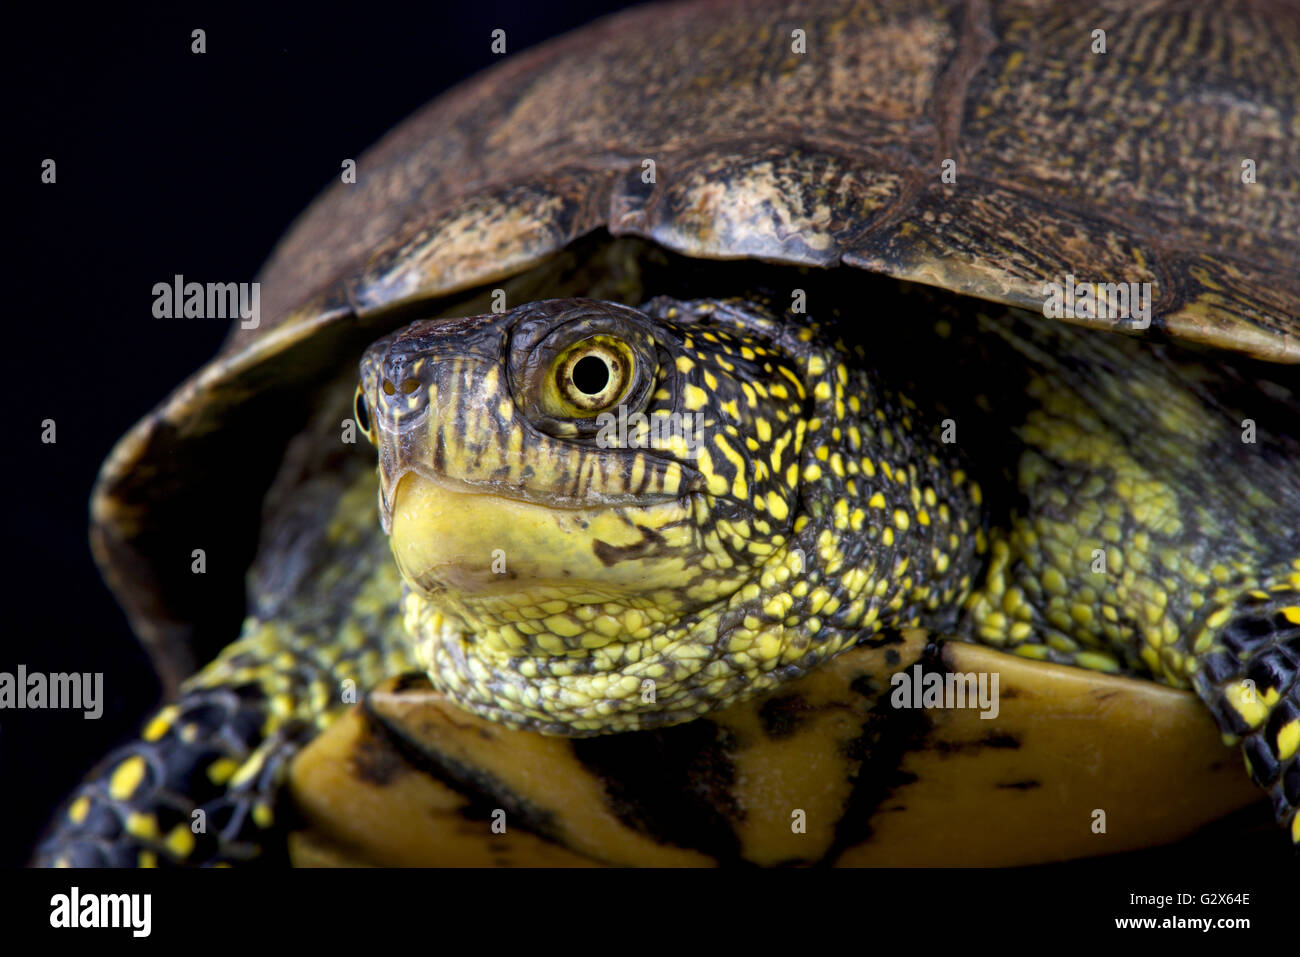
x: 1063, y: 495
x: 202, y: 785
x: 1127, y: 526
x: 1151, y: 534
x: 560, y: 583
x: 755, y: 570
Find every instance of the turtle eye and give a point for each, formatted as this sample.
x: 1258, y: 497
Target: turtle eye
x: 589, y: 377
x: 361, y: 413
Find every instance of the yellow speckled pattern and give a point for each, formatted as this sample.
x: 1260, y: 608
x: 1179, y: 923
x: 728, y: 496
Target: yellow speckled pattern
x: 817, y: 509
x: 202, y: 784
x: 1099, y: 510
x: 1097, y: 561
x: 562, y: 585
x: 1150, y: 537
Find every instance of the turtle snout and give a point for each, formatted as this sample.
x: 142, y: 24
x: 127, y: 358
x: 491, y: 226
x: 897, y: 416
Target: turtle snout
x: 400, y: 392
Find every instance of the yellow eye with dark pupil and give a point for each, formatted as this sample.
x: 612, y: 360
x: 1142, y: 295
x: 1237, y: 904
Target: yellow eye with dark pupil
x: 589, y: 377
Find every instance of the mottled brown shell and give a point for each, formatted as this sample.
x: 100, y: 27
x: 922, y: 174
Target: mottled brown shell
x: 1118, y: 166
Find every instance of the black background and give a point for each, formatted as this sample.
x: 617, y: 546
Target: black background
x: 167, y: 162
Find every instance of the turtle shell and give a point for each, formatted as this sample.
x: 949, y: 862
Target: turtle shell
x: 986, y: 148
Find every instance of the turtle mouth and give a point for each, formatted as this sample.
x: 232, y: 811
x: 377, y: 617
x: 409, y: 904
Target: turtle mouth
x: 554, y: 618
x: 425, y: 484
x: 498, y: 561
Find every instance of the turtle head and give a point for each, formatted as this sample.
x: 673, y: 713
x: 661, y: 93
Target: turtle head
x: 583, y: 500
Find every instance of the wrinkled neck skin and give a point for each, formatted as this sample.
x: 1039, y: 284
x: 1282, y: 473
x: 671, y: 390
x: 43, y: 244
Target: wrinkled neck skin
x: 558, y: 584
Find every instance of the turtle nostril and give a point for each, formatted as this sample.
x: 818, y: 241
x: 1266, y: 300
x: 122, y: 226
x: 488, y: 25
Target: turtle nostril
x: 388, y: 388
x: 410, y: 385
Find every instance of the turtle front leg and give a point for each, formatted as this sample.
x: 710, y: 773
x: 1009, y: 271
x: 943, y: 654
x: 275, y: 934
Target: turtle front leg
x: 202, y: 784
x: 1248, y: 677
x: 199, y: 787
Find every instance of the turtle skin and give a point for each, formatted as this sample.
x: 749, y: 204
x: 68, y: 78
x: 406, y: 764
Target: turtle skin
x: 701, y: 129
x: 696, y: 127
x: 992, y: 540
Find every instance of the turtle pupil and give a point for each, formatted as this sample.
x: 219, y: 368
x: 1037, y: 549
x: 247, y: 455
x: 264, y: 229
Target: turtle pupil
x: 590, y: 375
x: 363, y: 414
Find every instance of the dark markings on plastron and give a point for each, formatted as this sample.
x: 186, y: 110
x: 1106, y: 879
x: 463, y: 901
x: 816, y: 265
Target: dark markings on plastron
x: 1020, y: 785
x: 673, y: 784
x: 373, y: 761
x: 887, y: 735
x: 782, y: 716
x: 1004, y: 741
x: 483, y: 793
x: 878, y: 639
x: 865, y: 685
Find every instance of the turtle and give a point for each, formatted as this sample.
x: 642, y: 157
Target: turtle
x: 852, y: 432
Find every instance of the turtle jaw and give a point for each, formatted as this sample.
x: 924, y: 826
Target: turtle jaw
x: 484, y: 547
x: 574, y: 580
x: 571, y: 621
x: 525, y: 615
